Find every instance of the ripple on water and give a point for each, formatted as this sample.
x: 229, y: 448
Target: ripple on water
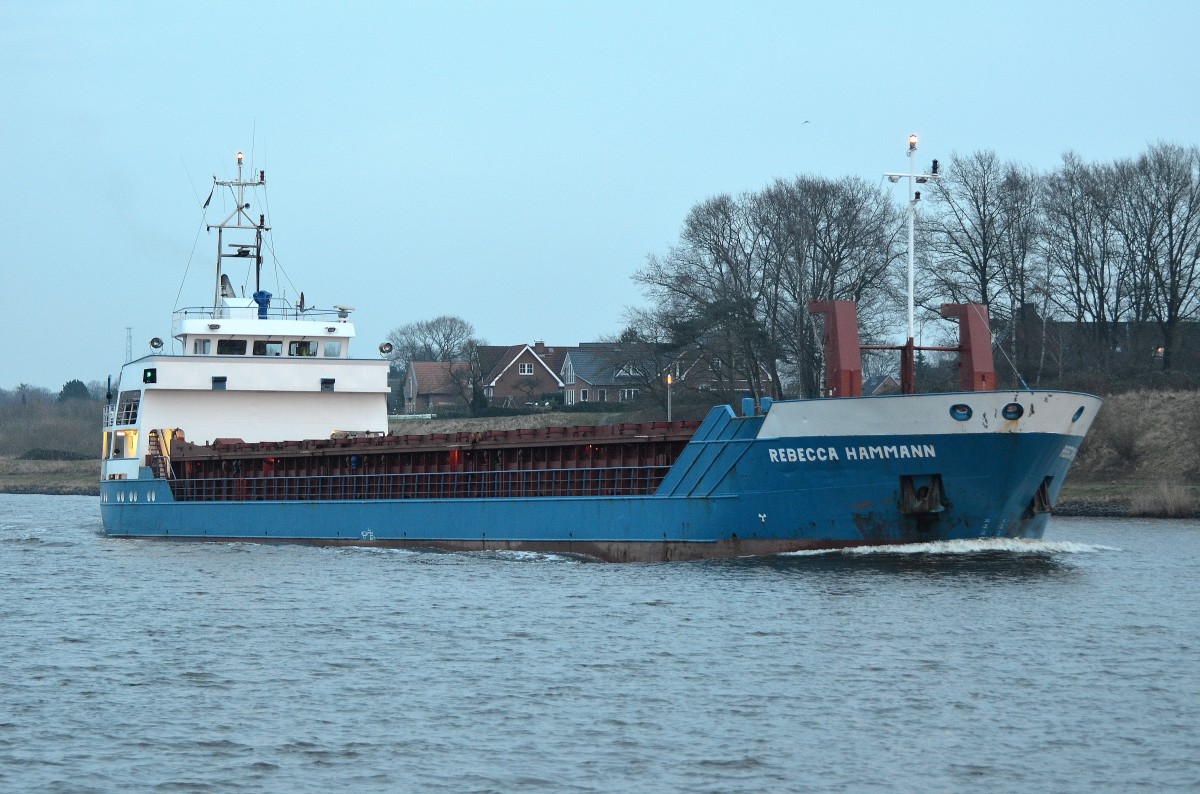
x: 965, y: 547
x: 1063, y: 664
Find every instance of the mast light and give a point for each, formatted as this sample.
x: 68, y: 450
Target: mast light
x: 912, y: 142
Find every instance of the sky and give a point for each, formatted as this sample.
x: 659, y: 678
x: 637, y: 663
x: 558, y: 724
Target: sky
x: 512, y: 163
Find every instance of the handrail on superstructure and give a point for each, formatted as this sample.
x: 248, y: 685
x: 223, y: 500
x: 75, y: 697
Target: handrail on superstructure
x: 281, y: 313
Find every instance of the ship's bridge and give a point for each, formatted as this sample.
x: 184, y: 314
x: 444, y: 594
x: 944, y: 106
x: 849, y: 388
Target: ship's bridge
x: 240, y: 328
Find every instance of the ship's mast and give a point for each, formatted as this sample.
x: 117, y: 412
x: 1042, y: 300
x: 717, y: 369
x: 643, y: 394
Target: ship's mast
x: 908, y: 356
x: 239, y: 219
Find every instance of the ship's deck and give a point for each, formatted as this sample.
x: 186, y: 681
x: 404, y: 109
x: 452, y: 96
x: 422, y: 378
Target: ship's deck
x: 591, y: 460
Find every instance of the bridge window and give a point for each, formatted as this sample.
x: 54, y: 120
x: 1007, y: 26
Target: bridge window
x: 263, y: 347
x: 200, y: 347
x: 302, y: 348
x: 127, y: 407
x: 231, y: 347
x: 333, y: 349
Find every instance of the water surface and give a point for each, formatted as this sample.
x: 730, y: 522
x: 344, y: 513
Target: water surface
x: 1062, y: 665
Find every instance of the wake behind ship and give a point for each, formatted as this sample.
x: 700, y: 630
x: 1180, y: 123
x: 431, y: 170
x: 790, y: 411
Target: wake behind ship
x: 263, y: 428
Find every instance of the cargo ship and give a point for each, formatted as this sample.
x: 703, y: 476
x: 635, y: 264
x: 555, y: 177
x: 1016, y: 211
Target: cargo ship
x: 260, y: 426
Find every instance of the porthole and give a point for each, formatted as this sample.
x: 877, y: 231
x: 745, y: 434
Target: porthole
x: 1078, y: 413
x: 1012, y: 411
x: 960, y: 412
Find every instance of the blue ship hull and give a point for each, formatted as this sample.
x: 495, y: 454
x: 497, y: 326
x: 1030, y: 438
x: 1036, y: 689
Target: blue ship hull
x: 743, y: 486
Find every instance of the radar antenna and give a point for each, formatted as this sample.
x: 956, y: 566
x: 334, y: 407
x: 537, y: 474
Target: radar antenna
x: 241, y: 220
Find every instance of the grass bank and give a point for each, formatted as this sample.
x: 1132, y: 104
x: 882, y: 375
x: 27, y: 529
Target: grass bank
x: 67, y: 477
x: 1141, y: 458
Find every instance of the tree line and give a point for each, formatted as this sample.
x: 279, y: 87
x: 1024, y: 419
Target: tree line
x: 1086, y: 268
x: 1089, y: 266
x: 34, y: 418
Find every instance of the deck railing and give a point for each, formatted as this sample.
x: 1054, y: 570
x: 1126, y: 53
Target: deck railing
x: 274, y: 312
x: 526, y: 484
x: 126, y: 413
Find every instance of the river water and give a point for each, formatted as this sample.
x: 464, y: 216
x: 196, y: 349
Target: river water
x: 1069, y: 664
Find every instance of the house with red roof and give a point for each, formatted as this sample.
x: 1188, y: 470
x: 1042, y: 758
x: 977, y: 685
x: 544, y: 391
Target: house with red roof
x: 429, y: 384
x: 519, y: 375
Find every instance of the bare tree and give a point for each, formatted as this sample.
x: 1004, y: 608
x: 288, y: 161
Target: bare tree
x: 465, y: 374
x: 829, y: 240
x: 1022, y: 269
x: 738, y: 284
x: 443, y: 338
x: 1090, y: 265
x: 711, y: 287
x: 963, y: 228
x: 1162, y: 210
x: 451, y: 341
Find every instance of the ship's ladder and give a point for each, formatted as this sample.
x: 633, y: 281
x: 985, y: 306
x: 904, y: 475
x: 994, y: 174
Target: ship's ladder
x: 159, y: 461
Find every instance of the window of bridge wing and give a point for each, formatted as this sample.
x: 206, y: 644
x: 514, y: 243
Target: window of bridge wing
x: 302, y: 348
x: 127, y: 407
x: 231, y: 347
x: 265, y: 347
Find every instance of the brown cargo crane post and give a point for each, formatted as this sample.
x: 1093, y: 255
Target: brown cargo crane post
x: 843, y: 351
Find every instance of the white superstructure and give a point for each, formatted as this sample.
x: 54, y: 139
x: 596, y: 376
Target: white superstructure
x: 247, y: 370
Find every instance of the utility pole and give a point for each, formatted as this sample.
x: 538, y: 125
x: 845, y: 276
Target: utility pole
x: 907, y: 366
